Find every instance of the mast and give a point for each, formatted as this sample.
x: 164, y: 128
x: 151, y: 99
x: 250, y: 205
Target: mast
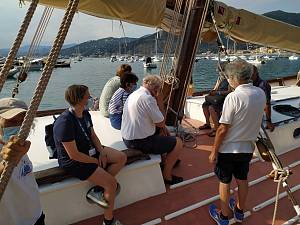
x: 186, y: 58
x: 156, y: 44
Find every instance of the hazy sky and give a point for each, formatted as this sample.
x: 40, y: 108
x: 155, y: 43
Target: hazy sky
x: 89, y: 28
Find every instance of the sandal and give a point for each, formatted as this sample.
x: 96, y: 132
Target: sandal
x: 175, y: 180
x: 204, y: 127
x: 212, y: 134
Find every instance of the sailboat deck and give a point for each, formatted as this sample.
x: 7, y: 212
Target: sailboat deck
x: 194, y: 163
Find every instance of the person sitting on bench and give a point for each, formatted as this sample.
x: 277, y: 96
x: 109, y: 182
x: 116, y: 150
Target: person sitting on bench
x: 142, y: 113
x: 81, y: 154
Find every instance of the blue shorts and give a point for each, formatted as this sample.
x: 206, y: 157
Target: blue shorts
x: 154, y: 144
x: 116, y: 120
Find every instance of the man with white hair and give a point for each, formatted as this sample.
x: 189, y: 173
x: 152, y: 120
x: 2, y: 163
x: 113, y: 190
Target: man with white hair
x: 234, y: 143
x: 142, y: 114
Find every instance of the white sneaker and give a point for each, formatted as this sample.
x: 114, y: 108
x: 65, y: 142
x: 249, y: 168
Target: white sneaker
x: 95, y: 194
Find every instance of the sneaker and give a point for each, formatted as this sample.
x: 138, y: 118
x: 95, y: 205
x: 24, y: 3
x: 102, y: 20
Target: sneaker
x: 114, y: 222
x: 238, y: 217
x: 216, y: 215
x: 96, y: 195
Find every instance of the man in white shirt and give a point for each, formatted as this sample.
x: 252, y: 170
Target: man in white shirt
x: 234, y: 143
x: 142, y: 114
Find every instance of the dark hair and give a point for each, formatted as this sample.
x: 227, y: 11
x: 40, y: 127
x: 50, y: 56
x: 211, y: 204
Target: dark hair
x: 255, y: 70
x: 123, y: 69
x: 75, y: 93
x: 128, y: 78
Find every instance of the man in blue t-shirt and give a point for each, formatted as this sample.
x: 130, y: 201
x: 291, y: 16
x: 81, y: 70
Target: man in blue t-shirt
x: 258, y: 82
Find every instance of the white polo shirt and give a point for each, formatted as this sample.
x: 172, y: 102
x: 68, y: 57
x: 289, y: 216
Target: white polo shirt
x: 243, y: 109
x: 140, y: 114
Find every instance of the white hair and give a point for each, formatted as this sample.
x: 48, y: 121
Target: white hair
x: 239, y: 70
x: 152, y: 82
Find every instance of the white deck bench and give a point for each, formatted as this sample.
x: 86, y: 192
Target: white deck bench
x: 66, y: 199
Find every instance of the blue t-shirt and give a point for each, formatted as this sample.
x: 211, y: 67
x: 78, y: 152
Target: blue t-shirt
x: 66, y: 129
x: 265, y: 86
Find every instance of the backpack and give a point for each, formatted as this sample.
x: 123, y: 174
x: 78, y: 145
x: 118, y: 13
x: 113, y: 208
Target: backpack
x: 49, y: 139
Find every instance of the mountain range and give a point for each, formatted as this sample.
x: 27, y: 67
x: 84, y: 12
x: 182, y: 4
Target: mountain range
x: 144, y: 45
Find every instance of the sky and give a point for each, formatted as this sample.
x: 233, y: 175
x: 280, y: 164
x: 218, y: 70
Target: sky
x: 86, y: 27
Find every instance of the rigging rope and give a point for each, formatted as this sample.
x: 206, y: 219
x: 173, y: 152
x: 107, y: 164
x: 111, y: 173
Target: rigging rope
x: 175, y: 80
x: 16, y: 45
x: 40, y: 89
x: 170, y: 38
x: 35, y: 42
x: 280, y: 174
x: 201, y: 25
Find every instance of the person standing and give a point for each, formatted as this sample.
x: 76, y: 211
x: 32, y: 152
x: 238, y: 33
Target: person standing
x: 234, y: 142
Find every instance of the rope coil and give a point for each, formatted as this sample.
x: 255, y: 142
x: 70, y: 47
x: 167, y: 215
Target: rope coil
x: 279, y: 176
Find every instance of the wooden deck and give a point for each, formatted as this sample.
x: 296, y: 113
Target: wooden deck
x: 194, y: 163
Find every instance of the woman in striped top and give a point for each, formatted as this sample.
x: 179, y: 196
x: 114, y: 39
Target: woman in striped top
x: 127, y: 86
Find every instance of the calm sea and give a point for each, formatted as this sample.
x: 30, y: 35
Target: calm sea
x: 94, y: 72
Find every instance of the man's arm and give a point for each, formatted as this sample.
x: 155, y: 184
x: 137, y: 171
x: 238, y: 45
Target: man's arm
x: 220, y: 135
x: 269, y: 123
x: 1, y: 167
x: 267, y: 90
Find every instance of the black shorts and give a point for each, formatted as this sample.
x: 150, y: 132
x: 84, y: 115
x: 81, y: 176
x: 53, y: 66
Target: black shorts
x: 217, y: 107
x: 236, y: 164
x: 41, y: 220
x: 154, y: 144
x: 82, y: 170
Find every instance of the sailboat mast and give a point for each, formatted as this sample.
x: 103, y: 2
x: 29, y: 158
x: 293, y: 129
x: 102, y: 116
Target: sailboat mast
x: 156, y: 44
x: 186, y: 58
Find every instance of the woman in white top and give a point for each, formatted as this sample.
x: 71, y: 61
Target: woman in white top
x: 20, y: 203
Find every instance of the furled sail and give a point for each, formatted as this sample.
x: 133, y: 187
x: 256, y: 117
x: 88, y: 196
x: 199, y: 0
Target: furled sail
x: 238, y: 23
x: 142, y: 12
x: 257, y: 29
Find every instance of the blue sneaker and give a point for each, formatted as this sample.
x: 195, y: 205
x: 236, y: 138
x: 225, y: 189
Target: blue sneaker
x: 238, y: 217
x: 216, y: 215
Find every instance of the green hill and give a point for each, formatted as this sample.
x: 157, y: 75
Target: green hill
x: 146, y: 45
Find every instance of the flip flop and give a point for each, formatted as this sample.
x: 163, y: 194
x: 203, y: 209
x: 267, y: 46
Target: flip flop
x: 204, y: 127
x: 212, y: 134
x: 175, y: 180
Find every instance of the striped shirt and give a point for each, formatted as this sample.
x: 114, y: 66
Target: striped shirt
x: 117, y: 101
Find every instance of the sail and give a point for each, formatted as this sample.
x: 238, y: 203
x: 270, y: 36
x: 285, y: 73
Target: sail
x: 141, y: 12
x: 257, y: 29
x: 238, y: 23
